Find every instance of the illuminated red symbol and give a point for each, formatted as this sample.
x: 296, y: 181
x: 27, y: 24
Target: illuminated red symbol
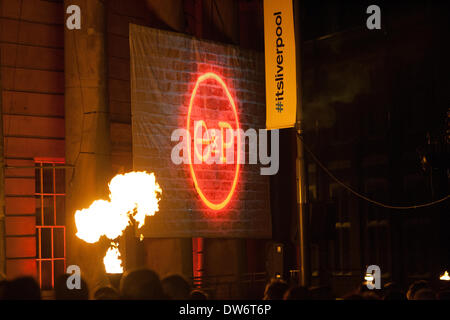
x: 209, y: 140
x: 215, y: 143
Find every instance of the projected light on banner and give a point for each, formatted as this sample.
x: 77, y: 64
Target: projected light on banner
x: 213, y: 124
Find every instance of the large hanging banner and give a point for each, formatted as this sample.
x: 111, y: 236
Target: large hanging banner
x: 187, y: 96
x: 281, y: 73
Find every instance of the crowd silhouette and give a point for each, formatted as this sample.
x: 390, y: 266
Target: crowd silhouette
x: 145, y: 284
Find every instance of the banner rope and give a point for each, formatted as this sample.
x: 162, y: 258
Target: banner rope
x: 359, y: 195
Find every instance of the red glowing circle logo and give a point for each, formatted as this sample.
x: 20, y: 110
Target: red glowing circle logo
x: 222, y: 203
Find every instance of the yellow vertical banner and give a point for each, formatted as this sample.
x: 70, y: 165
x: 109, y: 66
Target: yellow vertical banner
x: 281, y: 79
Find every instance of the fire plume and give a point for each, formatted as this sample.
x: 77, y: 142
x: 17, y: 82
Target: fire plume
x: 445, y: 276
x: 112, y: 261
x: 133, y: 196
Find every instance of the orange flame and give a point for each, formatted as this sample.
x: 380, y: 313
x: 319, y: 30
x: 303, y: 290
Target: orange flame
x: 368, y: 277
x: 133, y: 196
x: 445, y: 276
x: 112, y: 261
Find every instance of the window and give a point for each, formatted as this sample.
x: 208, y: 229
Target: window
x: 50, y: 229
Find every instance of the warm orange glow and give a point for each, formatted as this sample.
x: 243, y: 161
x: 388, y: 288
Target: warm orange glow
x: 368, y: 277
x: 445, y: 276
x: 133, y: 196
x: 112, y: 261
x: 210, y: 204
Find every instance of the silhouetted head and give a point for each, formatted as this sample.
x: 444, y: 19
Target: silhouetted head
x: 353, y: 296
x: 370, y: 296
x: 297, y: 293
x: 414, y: 287
x: 23, y: 288
x: 198, y: 295
x: 63, y: 292
x: 141, y: 284
x: 176, y: 287
x: 362, y: 288
x: 424, y: 294
x: 392, y: 291
x: 275, y: 289
x: 443, y: 295
x: 321, y: 293
x: 106, y: 293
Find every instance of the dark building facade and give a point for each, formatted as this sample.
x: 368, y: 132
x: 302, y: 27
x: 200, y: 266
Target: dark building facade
x: 376, y: 108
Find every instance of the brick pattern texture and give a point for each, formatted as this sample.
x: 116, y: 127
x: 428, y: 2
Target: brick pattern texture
x: 32, y: 91
x: 164, y: 69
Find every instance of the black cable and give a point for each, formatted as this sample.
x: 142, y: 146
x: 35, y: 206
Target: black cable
x: 361, y: 195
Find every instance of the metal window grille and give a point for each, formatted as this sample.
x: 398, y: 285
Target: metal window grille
x: 50, y: 228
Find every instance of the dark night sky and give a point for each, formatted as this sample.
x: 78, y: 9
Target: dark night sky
x: 328, y: 16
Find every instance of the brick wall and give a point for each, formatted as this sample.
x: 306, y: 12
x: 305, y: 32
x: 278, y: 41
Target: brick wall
x: 166, y: 68
x: 119, y: 15
x: 32, y: 65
